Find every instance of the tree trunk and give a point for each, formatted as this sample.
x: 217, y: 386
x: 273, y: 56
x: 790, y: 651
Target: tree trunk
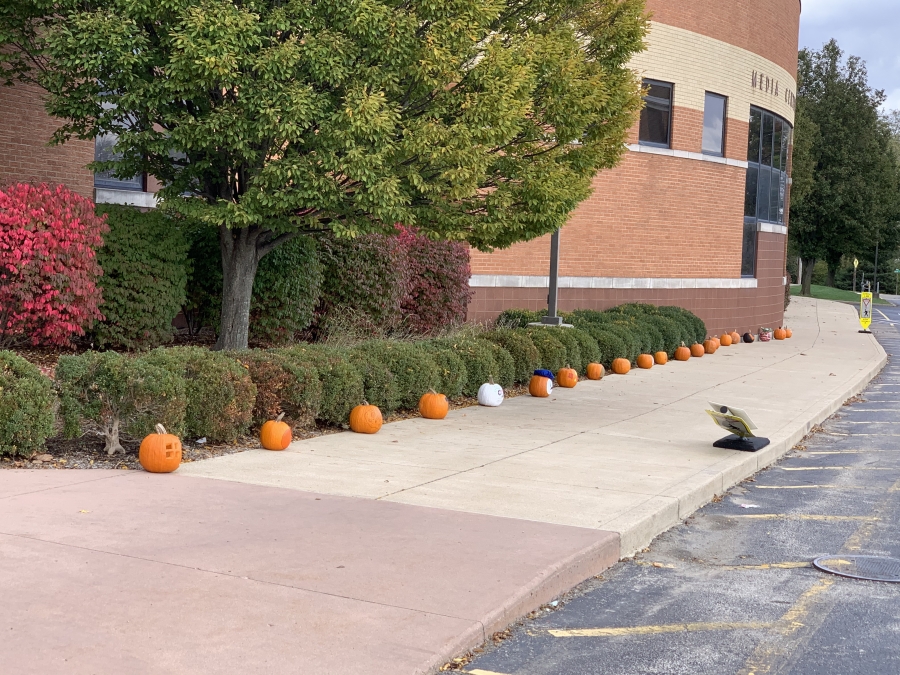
x: 240, y: 259
x: 111, y: 436
x: 808, y: 265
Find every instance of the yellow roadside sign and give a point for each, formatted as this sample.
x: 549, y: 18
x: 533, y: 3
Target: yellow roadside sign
x: 865, y: 310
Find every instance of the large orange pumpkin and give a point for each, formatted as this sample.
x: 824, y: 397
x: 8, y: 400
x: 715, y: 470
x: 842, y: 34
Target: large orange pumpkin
x: 540, y: 386
x: 645, y: 361
x: 709, y: 346
x: 725, y: 339
x: 780, y: 334
x: 160, y: 452
x: 275, y: 434
x: 697, y: 350
x: 621, y: 366
x: 788, y: 332
x: 366, y: 419
x: 434, y: 406
x: 595, y: 371
x: 661, y: 358
x: 567, y: 377
x: 682, y: 353
x: 735, y: 337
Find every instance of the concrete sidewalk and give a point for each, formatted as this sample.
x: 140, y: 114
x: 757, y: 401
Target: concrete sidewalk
x: 391, y: 553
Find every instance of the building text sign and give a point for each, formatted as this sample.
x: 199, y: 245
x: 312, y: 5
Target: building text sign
x: 772, y: 86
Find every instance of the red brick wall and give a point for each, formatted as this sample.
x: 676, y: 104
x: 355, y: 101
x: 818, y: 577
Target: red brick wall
x: 25, y: 130
x: 769, y: 28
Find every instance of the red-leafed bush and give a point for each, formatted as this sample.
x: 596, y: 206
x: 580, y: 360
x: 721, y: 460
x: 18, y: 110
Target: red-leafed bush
x: 438, y: 282
x: 49, y: 238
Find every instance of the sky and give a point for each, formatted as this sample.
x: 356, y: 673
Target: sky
x: 869, y: 29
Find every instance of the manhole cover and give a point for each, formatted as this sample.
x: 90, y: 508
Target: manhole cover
x: 869, y: 567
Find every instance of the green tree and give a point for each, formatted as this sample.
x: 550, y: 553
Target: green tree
x: 845, y: 190
x: 475, y: 120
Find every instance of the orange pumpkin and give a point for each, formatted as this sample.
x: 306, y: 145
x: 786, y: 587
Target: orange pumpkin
x: 725, y: 339
x: 160, y: 452
x: 567, y: 377
x: 645, y: 361
x: 697, y: 350
x: 275, y: 434
x: 788, y: 332
x: 735, y: 337
x: 540, y: 386
x: 366, y: 419
x: 621, y: 366
x: 434, y: 406
x: 661, y: 358
x: 709, y: 346
x: 595, y: 371
x: 682, y: 353
x: 780, y: 334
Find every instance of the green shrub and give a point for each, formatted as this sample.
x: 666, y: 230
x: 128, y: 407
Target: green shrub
x: 518, y: 318
x: 282, y: 386
x: 117, y: 394
x: 478, y: 357
x: 220, y: 392
x: 670, y: 333
x: 552, y: 351
x: 627, y: 336
x: 451, y: 367
x: 414, y: 371
x: 26, y: 406
x: 587, y: 345
x: 379, y: 384
x: 342, y: 383
x: 506, y: 366
x: 144, y: 262
x: 203, y: 304
x: 526, y: 357
x: 610, y: 345
x: 693, y: 324
x: 573, y: 348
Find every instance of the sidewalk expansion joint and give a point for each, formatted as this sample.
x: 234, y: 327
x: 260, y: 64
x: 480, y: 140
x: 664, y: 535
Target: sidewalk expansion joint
x: 57, y: 487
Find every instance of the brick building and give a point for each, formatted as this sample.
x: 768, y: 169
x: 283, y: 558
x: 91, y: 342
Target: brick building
x: 696, y: 213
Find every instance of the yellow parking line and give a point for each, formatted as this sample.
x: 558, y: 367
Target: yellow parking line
x: 655, y: 630
x: 800, y: 516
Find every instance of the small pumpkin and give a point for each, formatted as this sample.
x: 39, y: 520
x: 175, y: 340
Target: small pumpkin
x: 661, y: 358
x: 735, y: 337
x: 621, y: 366
x: 160, y: 452
x: 697, y: 350
x: 683, y: 353
x: 567, y: 377
x: 780, y: 334
x: 709, y: 346
x: 490, y: 394
x: 540, y: 386
x: 275, y: 434
x: 725, y: 339
x: 366, y: 418
x: 645, y: 361
x: 595, y: 371
x: 748, y: 338
x: 433, y: 406
x: 788, y: 333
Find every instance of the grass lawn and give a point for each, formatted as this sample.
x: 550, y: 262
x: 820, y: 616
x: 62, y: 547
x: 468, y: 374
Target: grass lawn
x: 829, y: 293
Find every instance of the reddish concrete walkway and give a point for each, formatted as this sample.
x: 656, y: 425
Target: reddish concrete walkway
x: 116, y: 572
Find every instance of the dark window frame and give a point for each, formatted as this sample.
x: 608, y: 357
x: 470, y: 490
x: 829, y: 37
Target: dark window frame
x: 104, y: 180
x: 724, y: 99
x: 671, y: 102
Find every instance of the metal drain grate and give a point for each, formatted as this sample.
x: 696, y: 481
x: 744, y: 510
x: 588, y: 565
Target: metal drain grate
x: 868, y: 567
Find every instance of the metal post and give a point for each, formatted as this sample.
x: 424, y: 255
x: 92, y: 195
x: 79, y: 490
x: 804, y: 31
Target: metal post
x: 876, y: 269
x: 553, y: 292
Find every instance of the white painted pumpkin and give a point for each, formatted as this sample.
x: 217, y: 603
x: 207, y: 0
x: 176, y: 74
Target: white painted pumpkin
x: 490, y: 394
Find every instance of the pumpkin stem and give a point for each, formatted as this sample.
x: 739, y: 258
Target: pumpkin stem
x: 280, y: 417
x: 160, y: 429
x: 365, y: 402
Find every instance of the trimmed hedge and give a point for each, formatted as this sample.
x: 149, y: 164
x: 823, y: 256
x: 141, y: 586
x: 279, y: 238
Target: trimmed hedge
x: 518, y: 318
x: 342, y: 383
x: 452, y: 372
x: 220, y: 392
x: 26, y: 406
x: 478, y: 357
x: 282, y: 386
x: 553, y: 352
x: 587, y: 345
x: 118, y: 394
x: 526, y: 357
x: 414, y: 371
x: 506, y: 366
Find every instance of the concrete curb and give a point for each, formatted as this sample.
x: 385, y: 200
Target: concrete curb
x: 550, y: 583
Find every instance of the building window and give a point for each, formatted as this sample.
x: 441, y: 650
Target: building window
x: 656, y: 117
x: 104, y: 151
x: 766, y: 189
x: 714, y: 125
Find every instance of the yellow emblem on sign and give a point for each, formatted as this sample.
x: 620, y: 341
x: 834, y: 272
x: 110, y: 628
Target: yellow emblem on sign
x: 865, y: 310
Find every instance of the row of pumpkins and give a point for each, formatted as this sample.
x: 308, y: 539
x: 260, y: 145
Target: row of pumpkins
x: 161, y: 452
